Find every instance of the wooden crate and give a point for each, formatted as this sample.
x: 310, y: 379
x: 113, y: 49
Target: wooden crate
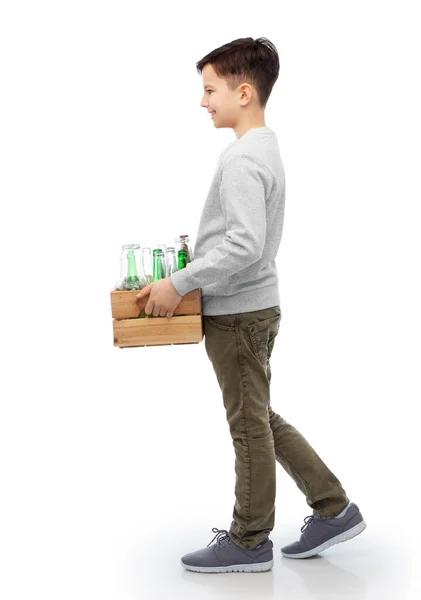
x: 130, y: 330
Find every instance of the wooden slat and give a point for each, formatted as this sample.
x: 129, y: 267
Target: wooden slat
x: 173, y: 344
x: 158, y: 331
x: 125, y: 305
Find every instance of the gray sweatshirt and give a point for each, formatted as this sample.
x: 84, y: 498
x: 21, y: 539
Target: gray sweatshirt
x: 240, y: 229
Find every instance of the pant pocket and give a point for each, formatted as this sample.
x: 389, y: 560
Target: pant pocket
x: 262, y: 335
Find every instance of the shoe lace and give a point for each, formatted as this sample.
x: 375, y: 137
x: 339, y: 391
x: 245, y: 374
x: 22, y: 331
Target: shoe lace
x: 222, y: 536
x: 307, y: 522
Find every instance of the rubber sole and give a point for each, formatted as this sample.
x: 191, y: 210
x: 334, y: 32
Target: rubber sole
x: 343, y: 537
x: 253, y: 568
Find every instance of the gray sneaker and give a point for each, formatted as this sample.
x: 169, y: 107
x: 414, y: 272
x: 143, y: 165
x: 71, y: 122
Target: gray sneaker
x: 226, y: 557
x: 319, y: 534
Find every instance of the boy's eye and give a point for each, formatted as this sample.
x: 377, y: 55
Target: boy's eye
x: 209, y: 91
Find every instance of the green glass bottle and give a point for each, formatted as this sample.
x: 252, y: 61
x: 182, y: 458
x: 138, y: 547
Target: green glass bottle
x: 182, y: 259
x: 158, y: 271
x: 158, y: 265
x: 184, y: 242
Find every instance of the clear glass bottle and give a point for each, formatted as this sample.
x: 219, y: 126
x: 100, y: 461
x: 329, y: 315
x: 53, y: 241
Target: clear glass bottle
x: 132, y: 276
x: 147, y: 263
x: 172, y: 266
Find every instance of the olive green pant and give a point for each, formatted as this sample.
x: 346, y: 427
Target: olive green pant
x: 239, y: 347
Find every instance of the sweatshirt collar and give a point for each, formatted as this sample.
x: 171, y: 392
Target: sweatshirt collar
x: 255, y: 130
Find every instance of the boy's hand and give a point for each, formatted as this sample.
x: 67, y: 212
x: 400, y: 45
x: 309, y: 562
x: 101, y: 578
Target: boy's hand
x: 163, y: 299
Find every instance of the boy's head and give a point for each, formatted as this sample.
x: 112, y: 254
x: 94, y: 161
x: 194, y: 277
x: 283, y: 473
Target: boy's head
x: 238, y: 78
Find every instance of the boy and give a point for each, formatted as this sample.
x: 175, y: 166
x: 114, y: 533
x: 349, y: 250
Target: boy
x: 237, y: 242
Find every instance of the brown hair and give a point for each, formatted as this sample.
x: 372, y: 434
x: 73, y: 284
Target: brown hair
x: 246, y: 60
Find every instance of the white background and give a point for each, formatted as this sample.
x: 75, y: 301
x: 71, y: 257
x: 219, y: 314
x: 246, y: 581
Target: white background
x: 115, y: 463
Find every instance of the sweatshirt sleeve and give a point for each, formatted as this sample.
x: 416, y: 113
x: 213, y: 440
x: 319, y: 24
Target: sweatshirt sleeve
x: 243, y: 204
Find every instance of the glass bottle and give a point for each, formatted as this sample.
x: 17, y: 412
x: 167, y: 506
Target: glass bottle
x: 182, y: 259
x: 172, y: 265
x: 184, y: 243
x: 159, y: 272
x: 159, y: 268
x: 131, y: 271
x: 147, y: 263
x: 163, y: 247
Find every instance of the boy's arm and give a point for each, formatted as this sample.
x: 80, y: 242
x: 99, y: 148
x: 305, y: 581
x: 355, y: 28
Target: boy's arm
x: 242, y: 194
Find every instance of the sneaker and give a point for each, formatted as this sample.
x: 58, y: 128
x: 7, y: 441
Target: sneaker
x: 319, y: 534
x: 224, y: 556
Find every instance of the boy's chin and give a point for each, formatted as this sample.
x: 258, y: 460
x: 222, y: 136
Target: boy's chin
x: 220, y: 125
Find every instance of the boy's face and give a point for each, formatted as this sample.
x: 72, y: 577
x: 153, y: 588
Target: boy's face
x: 218, y: 98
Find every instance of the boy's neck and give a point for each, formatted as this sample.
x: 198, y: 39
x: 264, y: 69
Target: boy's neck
x: 240, y: 130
